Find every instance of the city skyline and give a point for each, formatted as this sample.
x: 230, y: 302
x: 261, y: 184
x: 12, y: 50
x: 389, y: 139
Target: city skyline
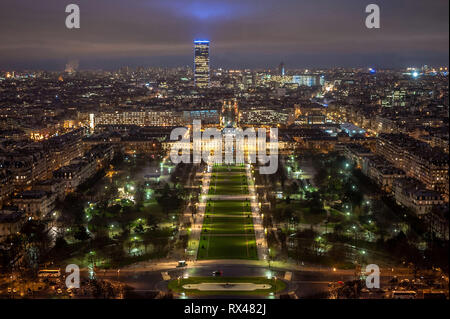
x: 299, y: 33
x: 224, y: 149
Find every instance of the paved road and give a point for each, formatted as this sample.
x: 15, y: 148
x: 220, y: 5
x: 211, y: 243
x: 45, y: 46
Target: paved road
x: 307, y: 282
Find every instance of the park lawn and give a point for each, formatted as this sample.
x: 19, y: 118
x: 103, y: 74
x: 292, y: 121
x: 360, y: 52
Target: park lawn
x: 336, y: 213
x: 227, y: 225
x: 228, y: 231
x: 226, y: 182
x: 228, y: 190
x: 312, y: 217
x: 229, y: 184
x: 223, y: 184
x: 228, y: 207
x: 229, y: 179
x: 229, y: 176
x: 305, y: 214
x: 153, y: 205
x: 227, y: 247
x: 277, y: 285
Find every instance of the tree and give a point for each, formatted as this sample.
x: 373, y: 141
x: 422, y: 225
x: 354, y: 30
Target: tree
x: 320, y: 178
x: 139, y: 229
x: 169, y: 199
x: 98, y: 225
x: 72, y: 210
x: 139, y: 195
x: 339, y: 252
x: 278, y: 215
x: 152, y: 218
x: 61, y: 249
x: 357, y: 211
x: 126, y: 218
x: 110, y: 192
x: 37, y: 241
x: 81, y: 234
x: 8, y: 257
x: 294, y: 220
x: 338, y: 229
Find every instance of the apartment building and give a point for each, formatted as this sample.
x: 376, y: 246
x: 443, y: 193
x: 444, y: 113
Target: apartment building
x: 35, y: 203
x: 417, y: 159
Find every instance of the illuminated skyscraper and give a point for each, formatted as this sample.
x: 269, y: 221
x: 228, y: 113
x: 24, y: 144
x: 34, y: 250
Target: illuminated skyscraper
x: 201, y: 63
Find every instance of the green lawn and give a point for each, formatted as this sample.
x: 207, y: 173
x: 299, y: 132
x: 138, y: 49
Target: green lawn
x: 304, y: 214
x: 228, y: 168
x: 227, y: 225
x: 227, y: 247
x: 227, y: 207
x: 228, y: 190
x: 277, y: 285
x: 225, y: 218
x: 229, y: 177
x: 228, y: 183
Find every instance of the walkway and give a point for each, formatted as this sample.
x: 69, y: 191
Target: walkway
x: 261, y: 241
x: 196, y: 228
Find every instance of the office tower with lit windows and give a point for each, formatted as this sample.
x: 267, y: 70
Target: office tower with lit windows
x: 201, y: 63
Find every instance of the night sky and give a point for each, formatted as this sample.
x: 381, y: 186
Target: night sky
x: 243, y: 33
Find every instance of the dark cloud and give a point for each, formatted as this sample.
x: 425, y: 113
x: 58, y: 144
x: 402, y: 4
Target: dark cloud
x: 244, y: 33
